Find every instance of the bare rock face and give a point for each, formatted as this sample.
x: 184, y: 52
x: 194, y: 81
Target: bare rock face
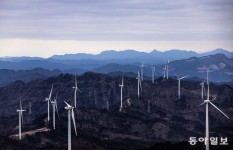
x: 169, y: 118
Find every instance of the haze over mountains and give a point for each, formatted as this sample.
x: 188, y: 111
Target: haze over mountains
x: 133, y: 54
x: 121, y: 62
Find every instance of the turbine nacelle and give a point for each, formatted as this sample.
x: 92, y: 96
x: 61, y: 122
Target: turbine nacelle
x: 206, y: 101
x: 68, y: 106
x: 47, y: 99
x: 20, y: 110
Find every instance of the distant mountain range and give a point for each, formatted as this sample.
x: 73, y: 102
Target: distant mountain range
x: 155, y: 55
x: 8, y: 76
x: 221, y: 66
x: 124, y: 62
x: 126, y: 56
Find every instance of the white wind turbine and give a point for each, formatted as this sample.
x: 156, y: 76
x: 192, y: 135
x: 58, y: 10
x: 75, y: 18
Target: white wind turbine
x: 142, y: 68
x: 48, y: 99
x: 167, y: 68
x: 70, y: 114
x: 164, y: 71
x: 202, y: 90
x: 121, y: 85
x: 75, y: 91
x: 207, y: 114
x: 139, y: 84
x: 178, y: 78
x: 20, y: 111
x: 55, y: 109
x: 153, y: 74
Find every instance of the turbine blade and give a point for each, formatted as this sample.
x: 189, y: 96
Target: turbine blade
x: 79, y: 90
x: 51, y: 91
x: 123, y: 81
x: 56, y: 108
x: 204, y: 90
x: 218, y: 109
x: 75, y: 81
x: 140, y: 84
x: 74, y: 121
x: 176, y: 75
x: 202, y: 103
x: 20, y: 103
x: 67, y: 104
x: 75, y: 93
x: 184, y: 77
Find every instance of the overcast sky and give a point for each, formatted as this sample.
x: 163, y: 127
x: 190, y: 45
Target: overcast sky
x: 47, y: 27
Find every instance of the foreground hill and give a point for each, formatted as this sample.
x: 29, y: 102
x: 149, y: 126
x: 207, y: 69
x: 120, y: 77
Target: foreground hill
x: 156, y: 116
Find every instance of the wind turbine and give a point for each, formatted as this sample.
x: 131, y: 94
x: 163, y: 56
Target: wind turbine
x: 54, y: 104
x: 139, y: 84
x: 75, y: 91
x: 153, y: 74
x: 48, y: 99
x: 178, y: 78
x: 202, y: 90
x: 70, y: 113
x: 167, y: 68
x: 121, y: 85
x: 164, y: 71
x: 142, y: 68
x: 20, y: 111
x: 207, y: 102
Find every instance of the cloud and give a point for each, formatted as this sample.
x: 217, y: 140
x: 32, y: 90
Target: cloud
x: 129, y: 20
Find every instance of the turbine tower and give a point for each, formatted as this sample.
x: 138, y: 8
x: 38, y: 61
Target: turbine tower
x: 20, y: 111
x: 75, y: 91
x: 48, y: 99
x: 70, y: 114
x: 178, y: 78
x: 139, y: 84
x: 153, y: 74
x: 207, y: 102
x: 121, y: 85
x: 167, y: 68
x: 142, y: 68
x: 207, y: 81
x: 55, y: 109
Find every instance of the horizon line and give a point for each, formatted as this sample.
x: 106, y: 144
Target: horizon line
x: 117, y: 51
